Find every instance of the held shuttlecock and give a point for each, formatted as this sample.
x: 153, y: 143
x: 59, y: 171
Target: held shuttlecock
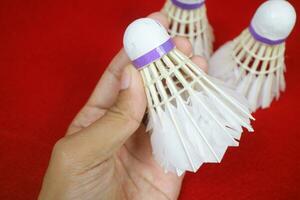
x: 192, y: 118
x: 254, y: 63
x: 188, y: 19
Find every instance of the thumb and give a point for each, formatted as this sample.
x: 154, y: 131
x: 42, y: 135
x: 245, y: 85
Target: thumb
x: 105, y: 136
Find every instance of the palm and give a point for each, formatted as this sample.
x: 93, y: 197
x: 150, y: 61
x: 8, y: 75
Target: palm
x: 131, y: 173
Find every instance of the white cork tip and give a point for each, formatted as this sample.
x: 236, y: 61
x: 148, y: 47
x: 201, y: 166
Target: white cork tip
x: 274, y: 19
x: 142, y: 36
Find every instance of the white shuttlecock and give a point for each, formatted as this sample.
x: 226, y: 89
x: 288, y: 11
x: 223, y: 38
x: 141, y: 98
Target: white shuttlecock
x: 192, y: 118
x: 253, y: 63
x: 188, y: 19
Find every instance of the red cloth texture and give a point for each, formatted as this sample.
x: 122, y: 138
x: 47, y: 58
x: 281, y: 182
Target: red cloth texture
x: 53, y: 52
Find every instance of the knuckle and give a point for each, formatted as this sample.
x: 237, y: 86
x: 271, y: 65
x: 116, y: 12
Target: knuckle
x: 61, y: 151
x: 123, y: 114
x: 65, y: 157
x: 115, y: 72
x: 201, y: 62
x: 59, y: 146
x: 204, y: 63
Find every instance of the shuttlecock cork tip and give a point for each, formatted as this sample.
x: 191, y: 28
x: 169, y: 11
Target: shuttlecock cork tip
x: 273, y: 21
x: 146, y: 40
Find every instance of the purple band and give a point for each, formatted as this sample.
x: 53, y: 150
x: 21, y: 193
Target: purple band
x: 186, y: 6
x: 263, y: 39
x: 154, y: 54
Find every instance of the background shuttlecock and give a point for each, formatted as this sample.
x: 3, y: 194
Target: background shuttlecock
x: 253, y: 63
x: 192, y: 118
x: 188, y: 19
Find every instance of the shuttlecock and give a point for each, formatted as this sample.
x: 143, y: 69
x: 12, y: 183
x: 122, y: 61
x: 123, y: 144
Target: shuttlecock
x: 192, y: 118
x: 188, y: 19
x: 253, y: 63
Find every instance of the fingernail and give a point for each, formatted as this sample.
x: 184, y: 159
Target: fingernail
x: 126, y: 79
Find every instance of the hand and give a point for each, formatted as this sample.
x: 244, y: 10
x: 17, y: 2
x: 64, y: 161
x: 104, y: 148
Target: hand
x: 106, y: 153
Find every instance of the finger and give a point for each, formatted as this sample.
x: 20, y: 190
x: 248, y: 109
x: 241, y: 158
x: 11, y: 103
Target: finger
x: 161, y: 18
x: 201, y: 62
x: 183, y: 45
x: 93, y: 110
x: 102, y: 138
x: 108, y: 87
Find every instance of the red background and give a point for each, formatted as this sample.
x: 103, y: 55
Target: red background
x: 52, y: 53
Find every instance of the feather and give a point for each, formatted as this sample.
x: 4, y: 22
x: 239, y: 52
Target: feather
x: 282, y: 81
x: 199, y: 47
x: 244, y: 84
x: 221, y: 64
x: 267, y: 91
x: 255, y: 92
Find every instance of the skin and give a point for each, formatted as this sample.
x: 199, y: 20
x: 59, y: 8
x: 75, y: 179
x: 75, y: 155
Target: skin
x: 106, y: 153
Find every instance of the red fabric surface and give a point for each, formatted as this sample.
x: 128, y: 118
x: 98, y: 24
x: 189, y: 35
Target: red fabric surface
x: 53, y: 52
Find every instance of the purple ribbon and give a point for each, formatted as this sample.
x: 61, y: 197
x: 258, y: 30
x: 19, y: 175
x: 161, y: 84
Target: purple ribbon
x: 154, y: 54
x: 263, y: 39
x: 187, y: 6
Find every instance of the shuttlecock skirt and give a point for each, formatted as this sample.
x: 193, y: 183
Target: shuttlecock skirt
x: 254, y: 69
x: 193, y: 119
x: 193, y: 25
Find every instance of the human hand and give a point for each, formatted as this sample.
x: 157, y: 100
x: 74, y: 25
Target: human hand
x: 106, y: 153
